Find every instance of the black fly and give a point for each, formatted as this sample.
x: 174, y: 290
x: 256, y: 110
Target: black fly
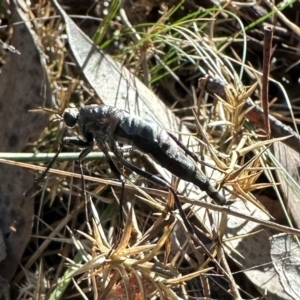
x: 107, y: 125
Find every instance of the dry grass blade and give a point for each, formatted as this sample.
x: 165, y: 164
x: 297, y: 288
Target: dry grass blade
x: 155, y: 192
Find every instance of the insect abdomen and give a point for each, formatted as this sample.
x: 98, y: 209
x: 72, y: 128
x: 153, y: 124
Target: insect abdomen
x: 151, y: 139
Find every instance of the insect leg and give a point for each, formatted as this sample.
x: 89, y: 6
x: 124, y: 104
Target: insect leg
x: 158, y: 181
x: 118, y: 173
x: 78, y: 142
x: 72, y: 140
x: 43, y: 175
x: 88, y: 144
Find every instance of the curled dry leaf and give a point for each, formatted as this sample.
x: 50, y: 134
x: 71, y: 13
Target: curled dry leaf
x: 285, y: 254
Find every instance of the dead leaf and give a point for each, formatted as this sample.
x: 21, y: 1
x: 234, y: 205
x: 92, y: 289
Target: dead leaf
x: 273, y: 207
x: 288, y: 175
x: 252, y: 253
x: 285, y: 254
x: 23, y: 86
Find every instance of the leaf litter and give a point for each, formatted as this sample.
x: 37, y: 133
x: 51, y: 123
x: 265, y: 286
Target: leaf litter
x: 235, y: 147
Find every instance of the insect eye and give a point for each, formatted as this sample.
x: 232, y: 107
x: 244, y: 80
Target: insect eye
x: 70, y: 117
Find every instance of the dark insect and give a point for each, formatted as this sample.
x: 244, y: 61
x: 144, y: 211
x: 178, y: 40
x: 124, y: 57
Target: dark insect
x: 214, y: 85
x: 108, y: 125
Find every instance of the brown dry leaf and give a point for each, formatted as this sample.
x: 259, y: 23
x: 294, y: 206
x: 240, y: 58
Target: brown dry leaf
x: 23, y: 86
x: 273, y: 207
x: 288, y: 175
